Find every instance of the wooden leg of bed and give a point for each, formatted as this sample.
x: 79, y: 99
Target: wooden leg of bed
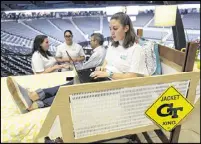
x: 174, y: 135
x: 162, y: 136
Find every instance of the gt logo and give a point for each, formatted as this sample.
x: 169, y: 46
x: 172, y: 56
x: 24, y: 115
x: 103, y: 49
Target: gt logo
x: 170, y: 110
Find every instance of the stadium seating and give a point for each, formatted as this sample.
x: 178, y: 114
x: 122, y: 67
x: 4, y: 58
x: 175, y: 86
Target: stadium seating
x: 191, y: 21
x: 142, y: 19
x: 15, y: 65
x: 189, y: 37
x: 46, y: 27
x: 87, y: 24
x: 18, y: 29
x: 106, y: 30
x: 155, y: 35
x: 19, y: 40
x: 65, y: 24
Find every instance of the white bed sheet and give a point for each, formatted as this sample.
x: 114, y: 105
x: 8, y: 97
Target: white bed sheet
x: 16, y: 127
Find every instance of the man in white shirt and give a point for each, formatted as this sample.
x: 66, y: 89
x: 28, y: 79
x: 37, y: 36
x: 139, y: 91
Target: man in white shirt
x: 98, y: 53
x: 74, y: 50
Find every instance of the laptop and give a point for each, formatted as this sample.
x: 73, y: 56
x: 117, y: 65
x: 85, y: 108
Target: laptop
x: 84, y: 74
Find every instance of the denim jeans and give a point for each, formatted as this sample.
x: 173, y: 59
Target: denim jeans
x: 47, y: 95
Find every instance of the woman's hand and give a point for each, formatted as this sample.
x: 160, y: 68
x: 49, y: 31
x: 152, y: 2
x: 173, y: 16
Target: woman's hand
x: 75, y: 59
x: 100, y: 69
x: 99, y: 74
x: 57, y: 67
x: 65, y: 65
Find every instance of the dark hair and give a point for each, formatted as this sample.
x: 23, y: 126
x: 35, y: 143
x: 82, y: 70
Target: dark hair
x: 36, y: 46
x: 130, y: 36
x: 99, y: 37
x: 68, y: 31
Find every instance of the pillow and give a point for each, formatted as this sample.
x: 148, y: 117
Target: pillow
x: 158, y: 62
x: 152, y: 56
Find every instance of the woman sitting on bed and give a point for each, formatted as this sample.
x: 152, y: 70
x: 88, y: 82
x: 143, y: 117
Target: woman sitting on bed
x: 42, y: 60
x: 125, y: 58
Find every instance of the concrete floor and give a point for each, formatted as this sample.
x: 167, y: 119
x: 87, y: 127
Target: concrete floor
x: 190, y: 130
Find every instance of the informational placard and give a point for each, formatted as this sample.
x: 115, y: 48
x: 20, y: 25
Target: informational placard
x: 169, y: 109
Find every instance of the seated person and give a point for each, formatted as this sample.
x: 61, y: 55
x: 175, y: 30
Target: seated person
x: 42, y: 60
x: 98, y: 53
x: 125, y: 58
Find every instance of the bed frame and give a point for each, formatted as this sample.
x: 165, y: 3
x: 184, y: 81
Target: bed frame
x: 176, y: 66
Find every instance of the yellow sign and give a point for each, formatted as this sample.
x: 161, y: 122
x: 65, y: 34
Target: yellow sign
x: 169, y: 109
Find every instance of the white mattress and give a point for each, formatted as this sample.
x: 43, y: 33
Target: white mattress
x: 16, y: 127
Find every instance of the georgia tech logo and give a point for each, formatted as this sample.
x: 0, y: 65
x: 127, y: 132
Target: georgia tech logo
x: 170, y: 110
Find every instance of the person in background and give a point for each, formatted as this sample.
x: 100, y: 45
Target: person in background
x: 98, y: 53
x: 74, y: 50
x: 42, y: 60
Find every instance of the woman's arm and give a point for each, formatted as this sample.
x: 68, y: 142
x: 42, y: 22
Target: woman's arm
x: 81, y: 58
x: 53, y: 68
x: 62, y: 59
x: 102, y: 68
x: 104, y: 64
x: 115, y: 76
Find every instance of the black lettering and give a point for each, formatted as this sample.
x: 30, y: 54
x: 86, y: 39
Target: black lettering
x: 175, y: 110
x: 169, y: 123
x: 167, y: 98
x: 159, y: 110
x: 170, y: 110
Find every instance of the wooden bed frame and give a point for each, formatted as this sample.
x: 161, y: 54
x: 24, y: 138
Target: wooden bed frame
x: 179, y: 61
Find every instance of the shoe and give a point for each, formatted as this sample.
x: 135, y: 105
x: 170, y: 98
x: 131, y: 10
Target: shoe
x: 59, y: 140
x: 36, y: 104
x: 48, y: 140
x: 19, y: 94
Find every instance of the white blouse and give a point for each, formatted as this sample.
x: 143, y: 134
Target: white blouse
x: 40, y: 63
x: 75, y: 50
x: 132, y: 59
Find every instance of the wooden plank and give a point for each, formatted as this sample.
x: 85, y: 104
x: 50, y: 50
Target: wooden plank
x: 172, y: 55
x: 190, y: 57
x: 171, y: 64
x: 140, y: 32
x: 131, y: 82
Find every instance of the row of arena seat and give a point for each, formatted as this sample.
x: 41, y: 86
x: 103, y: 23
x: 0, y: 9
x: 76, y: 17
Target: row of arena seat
x: 56, y: 27
x: 15, y: 61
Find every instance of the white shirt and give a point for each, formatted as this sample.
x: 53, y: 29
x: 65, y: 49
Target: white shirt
x: 39, y: 63
x: 75, y: 50
x: 120, y: 59
x: 96, y: 59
